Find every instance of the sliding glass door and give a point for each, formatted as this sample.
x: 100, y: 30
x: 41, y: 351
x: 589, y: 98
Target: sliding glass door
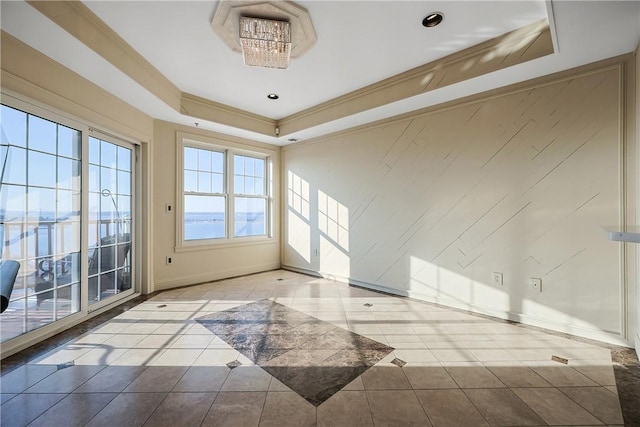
x: 65, y: 216
x: 110, y: 219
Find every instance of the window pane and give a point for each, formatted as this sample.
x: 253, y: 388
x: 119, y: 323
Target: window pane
x: 238, y: 185
x: 14, y: 165
x: 42, y: 204
x: 238, y: 165
x: 108, y: 180
x: 42, y: 169
x: 204, y: 217
x: 94, y: 178
x: 108, y: 154
x: 124, y: 182
x: 124, y: 159
x: 68, y: 205
x: 69, y: 141
x: 249, y: 217
x: 13, y: 204
x: 14, y: 126
x: 217, y: 185
x: 259, y: 187
x: 190, y: 158
x: 68, y: 173
x: 42, y: 135
x: 124, y: 207
x: 204, y: 182
x: 218, y: 162
x: 190, y: 180
x: 204, y: 160
x: 259, y: 168
x: 94, y: 151
x: 248, y: 186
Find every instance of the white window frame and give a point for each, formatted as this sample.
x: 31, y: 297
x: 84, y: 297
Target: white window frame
x: 229, y: 149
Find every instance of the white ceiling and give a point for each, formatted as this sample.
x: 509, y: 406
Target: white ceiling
x: 359, y: 43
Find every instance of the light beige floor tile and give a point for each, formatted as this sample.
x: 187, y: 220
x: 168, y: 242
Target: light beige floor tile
x: 123, y: 340
x: 236, y: 409
x: 603, y: 375
x: 202, y: 379
x: 216, y: 357
x: 429, y: 377
x: 415, y: 355
x: 453, y: 355
x: 385, y: 378
x: 74, y: 410
x: 112, y: 379
x: 177, y: 357
x: 599, y: 401
x: 354, y: 385
x: 449, y: 408
x: 518, y: 376
x: 24, y: 377
x: 181, y: 409
x: 276, y: 385
x: 65, y: 380
x: 138, y: 357
x: 563, y: 376
x: 442, y: 345
x: 193, y: 341
x: 247, y: 378
x: 345, y: 409
x: 473, y: 376
x: 156, y: 341
x: 283, y: 409
x: 127, y: 409
x: 101, y: 355
x: 554, y: 407
x: 612, y: 389
x: 92, y: 338
x: 396, y: 408
x: 491, y: 355
x: 501, y: 407
x: 24, y: 408
x: 157, y: 379
x: 63, y: 354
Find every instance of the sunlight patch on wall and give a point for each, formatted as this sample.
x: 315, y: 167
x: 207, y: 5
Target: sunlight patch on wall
x: 445, y: 286
x: 333, y: 220
x: 298, y: 194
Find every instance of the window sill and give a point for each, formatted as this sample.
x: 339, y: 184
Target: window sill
x: 226, y: 244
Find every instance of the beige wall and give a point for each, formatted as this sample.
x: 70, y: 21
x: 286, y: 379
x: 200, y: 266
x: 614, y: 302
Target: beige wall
x: 520, y: 181
x: 197, y: 266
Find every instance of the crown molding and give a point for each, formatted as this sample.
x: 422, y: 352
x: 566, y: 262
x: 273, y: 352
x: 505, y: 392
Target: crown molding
x: 79, y: 21
x: 524, y: 44
x: 521, y: 45
x: 207, y: 109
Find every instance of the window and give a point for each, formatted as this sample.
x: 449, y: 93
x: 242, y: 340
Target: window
x: 66, y: 202
x: 250, y: 201
x: 225, y: 193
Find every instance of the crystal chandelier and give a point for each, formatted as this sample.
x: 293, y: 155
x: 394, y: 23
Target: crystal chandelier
x: 265, y: 43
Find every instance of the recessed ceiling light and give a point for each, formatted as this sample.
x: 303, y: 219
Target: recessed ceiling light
x: 273, y: 96
x: 433, y: 19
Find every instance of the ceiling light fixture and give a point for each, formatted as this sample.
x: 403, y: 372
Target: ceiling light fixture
x: 273, y: 96
x: 433, y: 19
x: 265, y: 43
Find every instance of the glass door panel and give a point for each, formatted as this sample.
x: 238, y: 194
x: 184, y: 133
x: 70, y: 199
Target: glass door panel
x: 110, y: 219
x: 40, y: 227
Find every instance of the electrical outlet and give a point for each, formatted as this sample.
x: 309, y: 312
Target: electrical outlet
x: 535, y: 284
x: 315, y: 252
x: 497, y: 278
x: 169, y: 260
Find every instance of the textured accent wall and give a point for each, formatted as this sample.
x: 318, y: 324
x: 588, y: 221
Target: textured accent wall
x: 519, y: 182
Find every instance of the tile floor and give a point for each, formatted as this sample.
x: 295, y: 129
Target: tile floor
x: 200, y: 356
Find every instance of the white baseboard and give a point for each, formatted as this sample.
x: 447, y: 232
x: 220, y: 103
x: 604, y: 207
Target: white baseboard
x: 163, y: 285
x: 593, y: 334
